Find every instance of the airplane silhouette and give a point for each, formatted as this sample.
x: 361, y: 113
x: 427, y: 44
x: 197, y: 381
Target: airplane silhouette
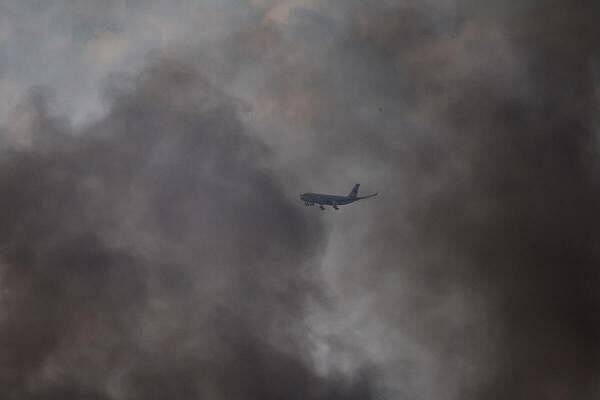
x: 310, y: 199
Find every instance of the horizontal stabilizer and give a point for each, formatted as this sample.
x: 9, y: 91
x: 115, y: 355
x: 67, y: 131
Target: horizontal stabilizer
x: 367, y: 196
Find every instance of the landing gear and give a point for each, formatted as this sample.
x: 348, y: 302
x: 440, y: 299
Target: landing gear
x: 335, y: 207
x: 321, y: 207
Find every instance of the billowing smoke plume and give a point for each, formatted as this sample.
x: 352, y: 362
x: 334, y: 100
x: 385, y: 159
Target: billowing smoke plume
x: 476, y: 275
x: 152, y: 255
x: 157, y: 252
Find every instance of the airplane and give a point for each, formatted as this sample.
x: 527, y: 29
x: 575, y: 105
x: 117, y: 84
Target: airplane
x: 310, y: 199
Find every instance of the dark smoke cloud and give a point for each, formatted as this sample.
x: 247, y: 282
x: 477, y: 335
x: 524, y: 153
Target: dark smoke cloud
x: 153, y: 255
x: 155, y: 252
x: 480, y: 264
x: 534, y: 174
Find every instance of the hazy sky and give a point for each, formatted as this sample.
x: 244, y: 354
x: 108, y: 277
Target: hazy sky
x: 153, y: 246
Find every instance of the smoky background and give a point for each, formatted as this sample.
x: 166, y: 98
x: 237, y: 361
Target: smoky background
x: 152, y: 244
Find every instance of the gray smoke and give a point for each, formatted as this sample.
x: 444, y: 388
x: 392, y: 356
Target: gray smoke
x: 153, y: 255
x: 475, y: 275
x: 161, y: 252
x: 503, y: 184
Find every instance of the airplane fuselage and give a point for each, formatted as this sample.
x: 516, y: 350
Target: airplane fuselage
x: 310, y: 199
x: 326, y: 199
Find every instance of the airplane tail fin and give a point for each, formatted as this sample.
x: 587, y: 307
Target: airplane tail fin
x: 354, y: 192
